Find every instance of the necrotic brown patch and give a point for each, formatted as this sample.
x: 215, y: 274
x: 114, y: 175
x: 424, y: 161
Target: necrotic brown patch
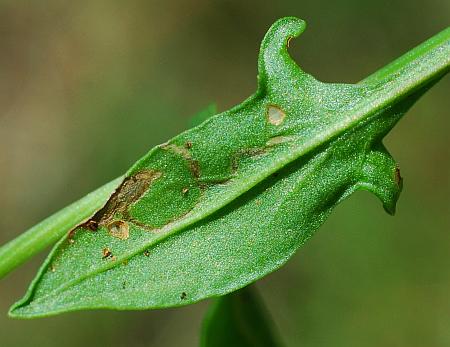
x: 397, y: 176
x: 106, y: 253
x: 128, y: 193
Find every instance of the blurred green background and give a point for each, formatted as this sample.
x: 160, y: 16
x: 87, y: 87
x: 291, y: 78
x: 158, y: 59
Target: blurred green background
x: 86, y: 88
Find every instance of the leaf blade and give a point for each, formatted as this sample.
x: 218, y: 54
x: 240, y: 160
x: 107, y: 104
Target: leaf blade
x: 323, y: 141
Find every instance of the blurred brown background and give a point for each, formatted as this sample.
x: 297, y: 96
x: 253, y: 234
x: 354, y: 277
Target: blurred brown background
x: 86, y: 88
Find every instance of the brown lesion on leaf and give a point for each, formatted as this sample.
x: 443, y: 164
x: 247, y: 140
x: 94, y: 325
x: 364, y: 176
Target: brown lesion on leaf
x: 141, y: 225
x: 193, y: 165
x: 246, y: 152
x: 128, y: 193
x: 71, y: 235
x: 106, y: 253
x: 278, y: 140
x: 183, y: 151
x: 92, y: 225
x: 397, y: 176
x: 119, y: 229
x: 275, y: 115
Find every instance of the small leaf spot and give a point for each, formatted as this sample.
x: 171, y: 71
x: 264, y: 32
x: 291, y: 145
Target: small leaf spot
x: 119, y: 229
x: 275, y: 115
x: 183, y: 296
x: 188, y: 145
x: 106, y: 253
x: 147, y: 253
x: 185, y: 190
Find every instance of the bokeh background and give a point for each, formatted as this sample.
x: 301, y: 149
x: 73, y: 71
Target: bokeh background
x: 87, y: 87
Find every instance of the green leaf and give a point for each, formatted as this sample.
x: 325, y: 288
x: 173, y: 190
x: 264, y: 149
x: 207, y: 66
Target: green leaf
x: 226, y: 203
x: 238, y: 319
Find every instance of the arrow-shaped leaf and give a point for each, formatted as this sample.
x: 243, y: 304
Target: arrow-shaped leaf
x: 225, y: 203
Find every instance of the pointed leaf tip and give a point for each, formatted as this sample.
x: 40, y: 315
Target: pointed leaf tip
x: 274, y: 60
x: 380, y: 175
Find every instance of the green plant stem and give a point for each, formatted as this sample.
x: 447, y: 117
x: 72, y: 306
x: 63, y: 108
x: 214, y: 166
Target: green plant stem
x: 408, y: 58
x: 51, y: 229
x: 17, y: 251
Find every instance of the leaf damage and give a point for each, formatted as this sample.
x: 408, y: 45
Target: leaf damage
x: 241, y: 192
